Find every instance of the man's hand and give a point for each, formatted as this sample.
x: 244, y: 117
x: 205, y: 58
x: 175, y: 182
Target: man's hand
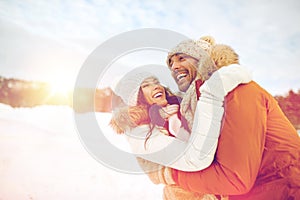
x: 157, y: 173
x: 174, y: 192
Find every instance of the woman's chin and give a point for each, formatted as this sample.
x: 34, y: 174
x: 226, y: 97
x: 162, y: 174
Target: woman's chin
x: 162, y: 102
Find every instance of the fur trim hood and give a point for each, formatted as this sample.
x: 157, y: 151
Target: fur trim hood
x: 128, y: 117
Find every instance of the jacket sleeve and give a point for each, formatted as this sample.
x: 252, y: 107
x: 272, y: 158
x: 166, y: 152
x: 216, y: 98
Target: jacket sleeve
x: 240, y: 147
x: 161, y: 148
x: 209, y: 112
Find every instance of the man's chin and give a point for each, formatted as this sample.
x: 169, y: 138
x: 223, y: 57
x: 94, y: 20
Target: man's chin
x: 183, y: 86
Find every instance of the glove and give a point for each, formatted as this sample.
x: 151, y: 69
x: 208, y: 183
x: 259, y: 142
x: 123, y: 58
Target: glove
x: 176, y: 129
x: 174, y: 124
x: 169, y: 110
x: 158, y: 174
x: 173, y: 192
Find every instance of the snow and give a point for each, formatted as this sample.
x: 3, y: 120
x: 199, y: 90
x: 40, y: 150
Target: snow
x: 42, y: 157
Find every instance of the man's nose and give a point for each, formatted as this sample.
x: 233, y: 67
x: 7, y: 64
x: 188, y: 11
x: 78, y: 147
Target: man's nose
x: 174, y: 66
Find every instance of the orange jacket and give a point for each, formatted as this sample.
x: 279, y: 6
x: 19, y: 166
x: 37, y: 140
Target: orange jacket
x: 258, y: 155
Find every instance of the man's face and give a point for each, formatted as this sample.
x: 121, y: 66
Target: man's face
x: 183, y: 70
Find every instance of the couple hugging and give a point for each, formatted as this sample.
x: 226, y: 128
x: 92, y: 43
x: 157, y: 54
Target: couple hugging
x: 225, y: 138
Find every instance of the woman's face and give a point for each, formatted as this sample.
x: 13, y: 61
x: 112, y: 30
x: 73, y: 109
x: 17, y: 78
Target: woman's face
x: 154, y: 92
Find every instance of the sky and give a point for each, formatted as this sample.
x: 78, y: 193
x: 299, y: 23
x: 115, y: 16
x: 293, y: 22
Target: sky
x: 50, y: 40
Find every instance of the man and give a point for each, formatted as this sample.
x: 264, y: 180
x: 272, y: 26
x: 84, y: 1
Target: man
x: 258, y: 154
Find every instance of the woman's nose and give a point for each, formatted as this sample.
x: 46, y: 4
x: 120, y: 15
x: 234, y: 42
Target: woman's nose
x: 154, y: 86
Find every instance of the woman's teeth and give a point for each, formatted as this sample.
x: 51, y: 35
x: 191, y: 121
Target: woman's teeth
x: 159, y: 94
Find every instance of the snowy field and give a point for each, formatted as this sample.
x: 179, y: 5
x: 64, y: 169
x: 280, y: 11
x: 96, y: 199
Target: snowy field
x: 42, y: 157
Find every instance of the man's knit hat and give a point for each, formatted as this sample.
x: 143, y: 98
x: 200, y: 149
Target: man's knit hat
x: 128, y: 87
x: 200, y: 50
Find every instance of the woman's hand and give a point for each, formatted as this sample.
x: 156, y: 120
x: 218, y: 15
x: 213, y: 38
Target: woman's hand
x: 169, y: 110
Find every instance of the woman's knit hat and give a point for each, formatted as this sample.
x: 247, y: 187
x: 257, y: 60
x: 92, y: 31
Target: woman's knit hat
x: 128, y: 87
x: 200, y: 50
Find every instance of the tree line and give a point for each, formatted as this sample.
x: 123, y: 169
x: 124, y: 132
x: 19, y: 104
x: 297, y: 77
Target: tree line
x: 21, y: 93
x: 290, y: 105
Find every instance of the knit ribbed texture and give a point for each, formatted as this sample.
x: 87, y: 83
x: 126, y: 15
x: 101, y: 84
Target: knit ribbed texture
x: 128, y: 87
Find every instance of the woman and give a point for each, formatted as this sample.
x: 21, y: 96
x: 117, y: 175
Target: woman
x: 149, y: 136
x: 156, y: 106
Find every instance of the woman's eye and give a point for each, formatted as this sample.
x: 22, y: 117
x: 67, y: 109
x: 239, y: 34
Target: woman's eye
x: 144, y: 85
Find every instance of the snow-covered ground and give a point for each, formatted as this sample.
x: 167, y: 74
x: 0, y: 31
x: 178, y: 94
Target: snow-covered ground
x: 42, y: 157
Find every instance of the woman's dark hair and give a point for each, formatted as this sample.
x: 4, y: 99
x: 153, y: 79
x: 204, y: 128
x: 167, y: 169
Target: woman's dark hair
x: 141, y: 100
x: 154, y: 118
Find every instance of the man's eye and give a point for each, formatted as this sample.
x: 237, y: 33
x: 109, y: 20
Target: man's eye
x: 181, y: 58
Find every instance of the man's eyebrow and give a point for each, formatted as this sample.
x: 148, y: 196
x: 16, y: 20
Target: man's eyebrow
x: 185, y: 55
x: 176, y: 54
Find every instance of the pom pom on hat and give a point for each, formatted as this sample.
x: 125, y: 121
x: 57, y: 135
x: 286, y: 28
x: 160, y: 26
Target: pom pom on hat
x: 209, y: 39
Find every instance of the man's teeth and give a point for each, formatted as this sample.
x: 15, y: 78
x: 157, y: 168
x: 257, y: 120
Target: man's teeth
x: 159, y: 94
x: 180, y: 76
